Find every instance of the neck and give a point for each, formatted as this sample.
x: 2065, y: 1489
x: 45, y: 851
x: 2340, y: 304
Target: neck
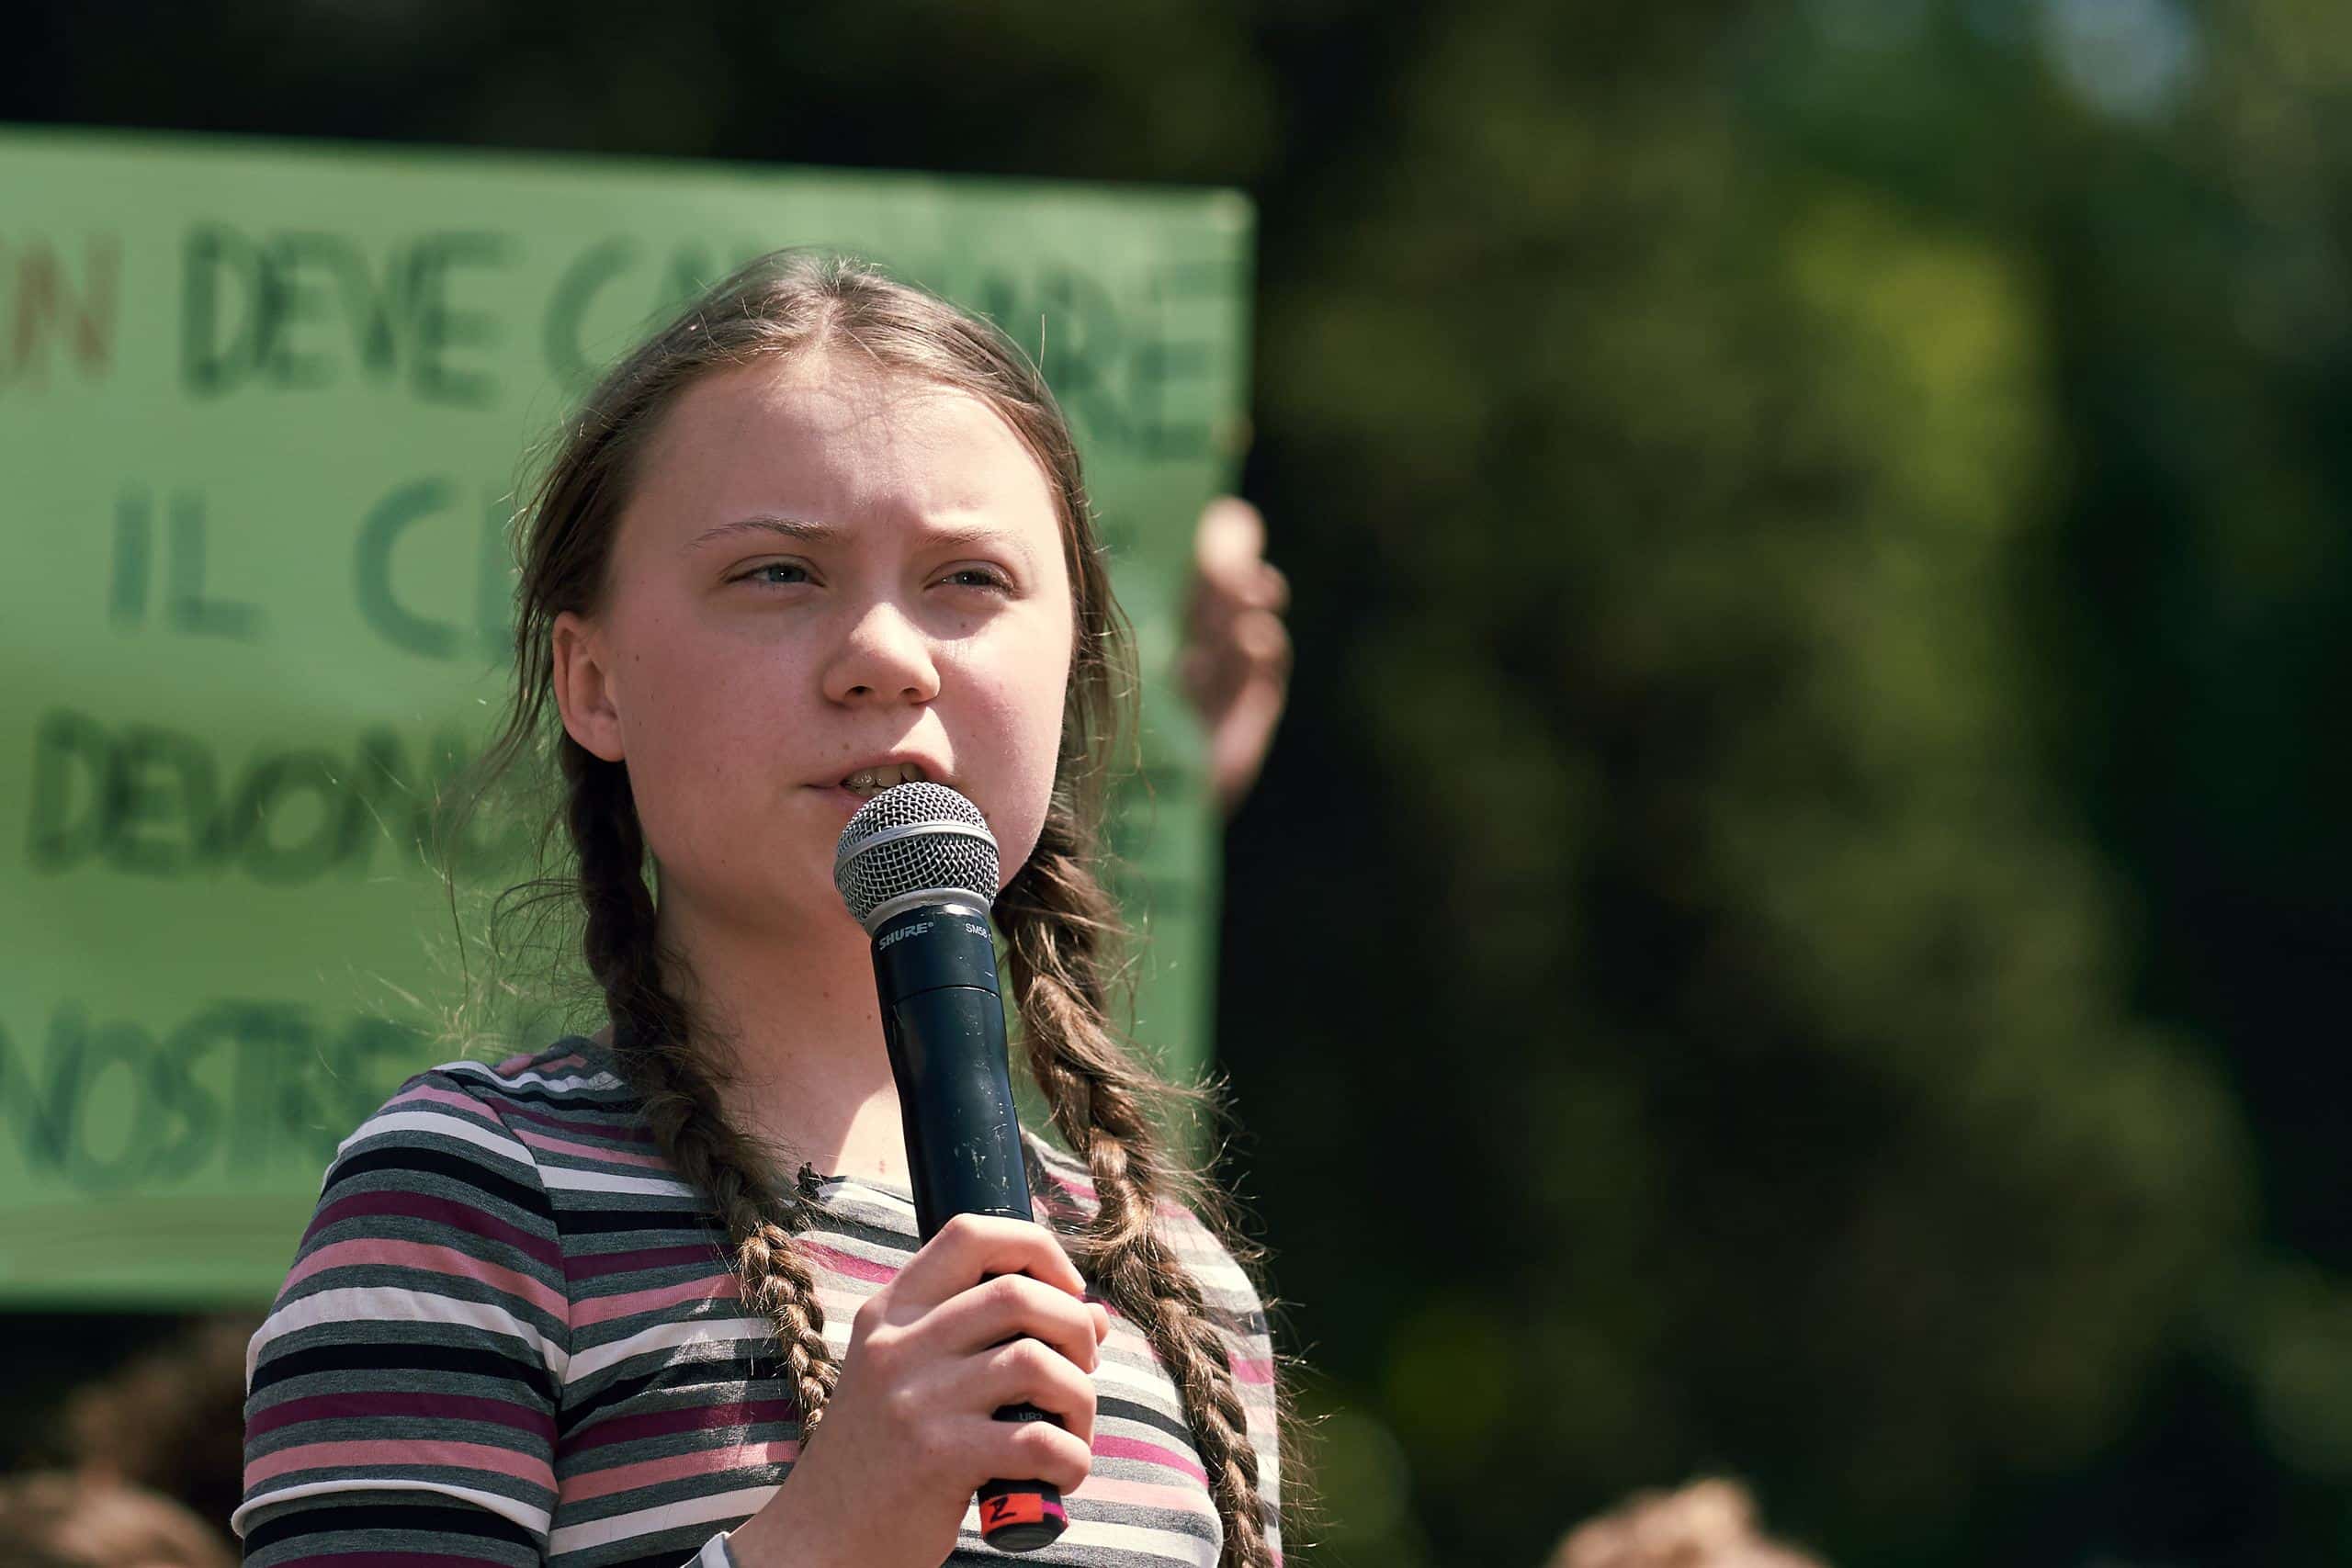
x: 798, y: 1038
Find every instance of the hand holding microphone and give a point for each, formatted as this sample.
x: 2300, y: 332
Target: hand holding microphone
x: 970, y: 1372
x: 987, y: 1313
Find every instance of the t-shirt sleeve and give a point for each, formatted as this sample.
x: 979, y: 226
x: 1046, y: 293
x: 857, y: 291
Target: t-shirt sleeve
x: 402, y: 1395
x: 1234, y: 1305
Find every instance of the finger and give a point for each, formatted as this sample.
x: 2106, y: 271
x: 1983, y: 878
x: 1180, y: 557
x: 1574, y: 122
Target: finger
x: 1239, y: 743
x: 1027, y: 1372
x: 1031, y: 1450
x: 1263, y: 641
x: 1270, y: 589
x: 1012, y: 1307
x: 970, y: 1248
x: 1102, y: 1321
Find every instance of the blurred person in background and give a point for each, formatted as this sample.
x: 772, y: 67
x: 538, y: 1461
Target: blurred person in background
x: 170, y: 1419
x: 1708, y: 1523
x: 64, y: 1519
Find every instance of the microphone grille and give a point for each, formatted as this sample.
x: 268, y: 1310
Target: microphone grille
x: 914, y: 838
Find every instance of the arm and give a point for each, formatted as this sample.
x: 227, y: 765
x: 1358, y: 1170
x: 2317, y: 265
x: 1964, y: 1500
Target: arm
x: 402, y: 1395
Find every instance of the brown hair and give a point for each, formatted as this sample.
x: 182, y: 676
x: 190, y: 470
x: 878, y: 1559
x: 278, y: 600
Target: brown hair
x: 1061, y: 929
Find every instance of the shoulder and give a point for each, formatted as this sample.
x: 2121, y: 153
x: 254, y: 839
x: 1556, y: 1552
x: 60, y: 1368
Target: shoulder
x: 470, y: 1108
x: 465, y: 1147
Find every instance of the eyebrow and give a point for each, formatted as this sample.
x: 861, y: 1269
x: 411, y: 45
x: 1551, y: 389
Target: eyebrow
x: 798, y: 528
x: 804, y: 531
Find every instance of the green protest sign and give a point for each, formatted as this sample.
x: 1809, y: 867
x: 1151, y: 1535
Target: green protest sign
x: 264, y: 413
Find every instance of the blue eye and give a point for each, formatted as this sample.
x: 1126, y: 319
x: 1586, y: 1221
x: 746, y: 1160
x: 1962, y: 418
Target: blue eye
x: 979, y: 577
x: 764, y: 573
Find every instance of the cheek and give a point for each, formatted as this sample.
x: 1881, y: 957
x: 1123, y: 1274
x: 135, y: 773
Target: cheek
x: 690, y: 723
x: 1024, y: 724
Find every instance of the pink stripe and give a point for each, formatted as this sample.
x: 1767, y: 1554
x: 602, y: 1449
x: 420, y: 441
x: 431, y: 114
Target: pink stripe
x: 446, y: 1261
x: 604, y: 1309
x: 847, y: 1263
x: 377, y: 1406
x: 395, y: 1454
x: 653, y: 1471
x: 1144, y: 1495
x: 1257, y: 1371
x: 400, y: 1204
x: 448, y: 1097
x: 667, y: 1423
x: 1150, y: 1453
x: 515, y: 1066
x: 589, y: 1151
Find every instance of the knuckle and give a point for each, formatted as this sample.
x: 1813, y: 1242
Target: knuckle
x: 902, y: 1409
x: 878, y: 1346
x: 1033, y: 1359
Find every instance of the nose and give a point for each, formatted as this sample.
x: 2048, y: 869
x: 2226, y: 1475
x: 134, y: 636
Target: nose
x: 883, y: 657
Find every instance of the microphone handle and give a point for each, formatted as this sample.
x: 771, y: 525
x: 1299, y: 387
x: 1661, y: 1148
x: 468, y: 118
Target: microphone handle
x: 943, y: 1020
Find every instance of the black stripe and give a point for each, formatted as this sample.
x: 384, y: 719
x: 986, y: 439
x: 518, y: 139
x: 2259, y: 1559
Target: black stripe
x: 688, y: 1222
x: 1129, y: 1410
x: 744, y: 1370
x: 378, y: 1356
x: 530, y: 1199
x: 689, y: 1543
x: 335, y: 1514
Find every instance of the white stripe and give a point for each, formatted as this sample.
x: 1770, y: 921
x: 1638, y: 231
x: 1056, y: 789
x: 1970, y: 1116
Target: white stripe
x: 668, y: 1336
x: 382, y: 1303
x: 670, y: 1516
x: 484, y: 1070
x: 591, y: 1181
x: 870, y: 1198
x: 715, y: 1553
x: 1108, y: 1537
x: 530, y: 1518
x: 1154, y: 1386
x: 440, y: 1123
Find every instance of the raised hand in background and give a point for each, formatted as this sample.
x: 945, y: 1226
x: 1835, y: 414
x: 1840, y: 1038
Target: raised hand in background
x: 1235, y: 667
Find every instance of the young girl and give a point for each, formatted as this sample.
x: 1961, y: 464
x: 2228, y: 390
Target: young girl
x: 597, y: 1306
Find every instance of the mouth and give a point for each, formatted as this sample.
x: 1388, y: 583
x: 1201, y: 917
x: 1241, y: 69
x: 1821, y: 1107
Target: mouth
x: 867, y: 782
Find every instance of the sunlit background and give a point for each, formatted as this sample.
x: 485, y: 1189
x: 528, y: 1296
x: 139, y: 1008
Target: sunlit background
x: 1794, y: 926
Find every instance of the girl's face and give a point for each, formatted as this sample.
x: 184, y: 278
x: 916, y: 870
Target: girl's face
x: 822, y: 569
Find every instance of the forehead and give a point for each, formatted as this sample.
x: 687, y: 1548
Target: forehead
x: 835, y: 439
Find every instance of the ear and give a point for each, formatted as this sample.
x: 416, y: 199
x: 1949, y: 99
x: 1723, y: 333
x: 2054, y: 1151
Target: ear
x: 584, y: 686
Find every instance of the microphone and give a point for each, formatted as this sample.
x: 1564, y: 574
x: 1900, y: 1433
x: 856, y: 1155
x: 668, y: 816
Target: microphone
x: 918, y: 868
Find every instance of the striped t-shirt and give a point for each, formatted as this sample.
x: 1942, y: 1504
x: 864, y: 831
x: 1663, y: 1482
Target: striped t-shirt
x: 510, y: 1337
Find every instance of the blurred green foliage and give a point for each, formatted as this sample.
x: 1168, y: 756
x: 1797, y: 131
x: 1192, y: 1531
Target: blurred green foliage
x: 1822, y: 590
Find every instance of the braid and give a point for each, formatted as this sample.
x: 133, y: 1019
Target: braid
x: 1059, y: 922
x: 650, y: 1028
